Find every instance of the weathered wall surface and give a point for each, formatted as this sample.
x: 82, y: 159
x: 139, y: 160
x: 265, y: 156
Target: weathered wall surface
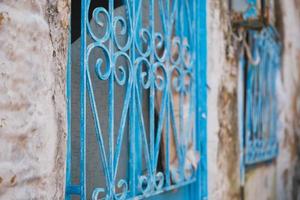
x: 223, y: 151
x: 277, y: 180
x: 33, y: 41
x: 289, y: 154
x: 260, y: 182
x: 274, y: 180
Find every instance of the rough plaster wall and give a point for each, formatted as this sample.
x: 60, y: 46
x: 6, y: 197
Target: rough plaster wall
x: 273, y: 180
x: 223, y: 164
x: 33, y: 40
x: 276, y: 180
x: 287, y: 181
x: 261, y: 182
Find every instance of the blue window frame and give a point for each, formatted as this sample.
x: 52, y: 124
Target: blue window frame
x: 138, y: 74
x: 258, y: 110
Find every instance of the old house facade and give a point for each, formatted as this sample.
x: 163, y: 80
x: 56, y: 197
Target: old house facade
x: 161, y: 110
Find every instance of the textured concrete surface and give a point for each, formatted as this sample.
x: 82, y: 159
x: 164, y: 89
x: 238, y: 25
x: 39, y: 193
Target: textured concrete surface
x: 223, y: 163
x: 261, y: 182
x: 33, y: 39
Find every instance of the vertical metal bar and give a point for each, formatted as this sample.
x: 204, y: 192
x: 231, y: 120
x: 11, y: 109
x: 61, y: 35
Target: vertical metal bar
x: 201, y: 97
x: 69, y: 138
x: 132, y: 144
x: 83, y: 64
x: 167, y: 139
x: 182, y: 143
x: 111, y: 102
x: 169, y: 89
x: 152, y: 90
x: 138, y: 13
x: 132, y: 123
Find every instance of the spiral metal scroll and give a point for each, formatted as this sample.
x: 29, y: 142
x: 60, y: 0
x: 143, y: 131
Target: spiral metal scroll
x: 148, y: 60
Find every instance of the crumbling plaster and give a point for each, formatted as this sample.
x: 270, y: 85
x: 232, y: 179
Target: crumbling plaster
x: 222, y: 135
x: 33, y: 46
x: 272, y: 180
x: 287, y: 181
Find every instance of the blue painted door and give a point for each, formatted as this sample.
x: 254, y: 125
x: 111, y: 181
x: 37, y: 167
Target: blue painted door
x: 139, y: 128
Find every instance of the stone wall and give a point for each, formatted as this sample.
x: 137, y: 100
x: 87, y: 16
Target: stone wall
x: 33, y: 43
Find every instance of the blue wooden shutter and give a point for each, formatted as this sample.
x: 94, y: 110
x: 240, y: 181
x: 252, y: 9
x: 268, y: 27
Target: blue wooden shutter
x: 261, y: 119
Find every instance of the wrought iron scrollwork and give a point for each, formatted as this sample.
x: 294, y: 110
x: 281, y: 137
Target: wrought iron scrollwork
x: 154, y: 63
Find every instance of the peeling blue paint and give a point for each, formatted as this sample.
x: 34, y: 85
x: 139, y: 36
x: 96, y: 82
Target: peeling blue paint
x: 261, y: 117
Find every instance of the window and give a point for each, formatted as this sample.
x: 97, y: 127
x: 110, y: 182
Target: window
x: 260, y: 118
x: 137, y: 100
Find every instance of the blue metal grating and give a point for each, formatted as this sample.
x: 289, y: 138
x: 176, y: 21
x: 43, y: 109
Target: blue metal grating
x: 261, y: 120
x: 163, y: 74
